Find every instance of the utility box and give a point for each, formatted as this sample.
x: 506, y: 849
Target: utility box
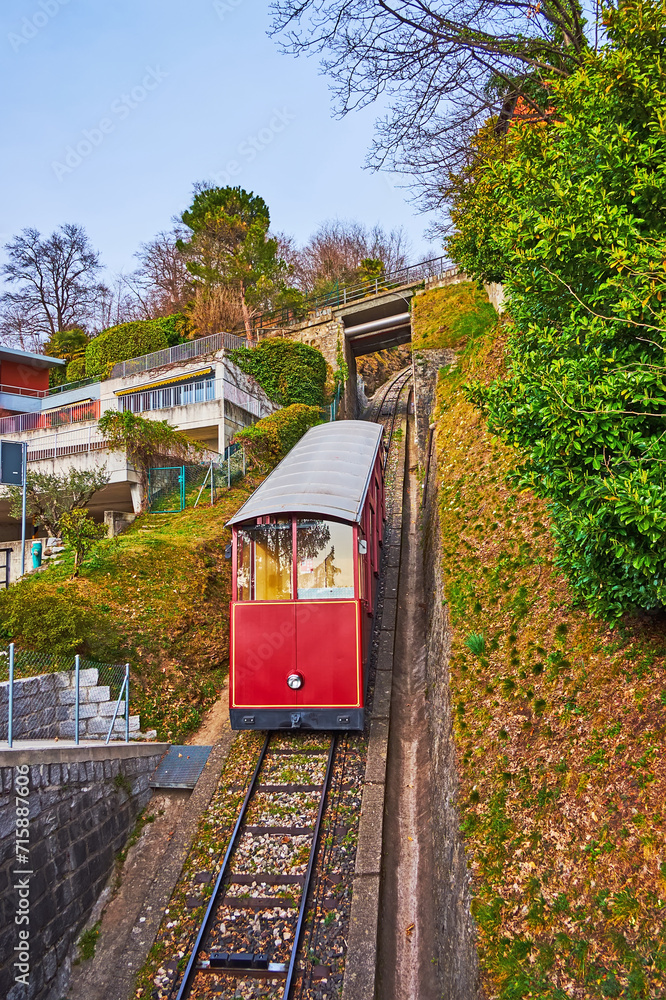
x: 11, y: 463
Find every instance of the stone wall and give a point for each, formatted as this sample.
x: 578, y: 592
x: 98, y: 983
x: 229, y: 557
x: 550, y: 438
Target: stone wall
x: 457, y: 957
x: 81, y: 812
x: 44, y: 707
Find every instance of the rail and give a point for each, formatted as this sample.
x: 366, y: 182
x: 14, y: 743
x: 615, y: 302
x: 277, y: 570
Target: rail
x: 50, y: 419
x: 64, y: 443
x: 253, y: 964
x: 341, y: 295
x: 181, y: 352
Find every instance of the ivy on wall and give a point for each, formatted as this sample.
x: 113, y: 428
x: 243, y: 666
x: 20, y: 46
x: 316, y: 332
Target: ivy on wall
x: 287, y: 371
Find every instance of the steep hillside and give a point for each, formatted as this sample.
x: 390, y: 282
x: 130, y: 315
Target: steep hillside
x: 158, y: 596
x: 559, y: 723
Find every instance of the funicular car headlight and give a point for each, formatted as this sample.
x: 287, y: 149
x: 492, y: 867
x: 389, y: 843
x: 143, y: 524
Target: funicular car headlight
x: 295, y: 681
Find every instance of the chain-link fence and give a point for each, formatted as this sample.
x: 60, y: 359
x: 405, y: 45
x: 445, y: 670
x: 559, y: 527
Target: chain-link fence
x: 46, y: 696
x: 173, y: 488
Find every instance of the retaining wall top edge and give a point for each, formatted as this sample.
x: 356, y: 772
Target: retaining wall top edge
x: 59, y: 755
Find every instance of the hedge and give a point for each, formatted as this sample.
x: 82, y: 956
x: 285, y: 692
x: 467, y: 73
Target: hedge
x: 269, y: 440
x: 287, y: 371
x: 76, y: 369
x: 128, y: 340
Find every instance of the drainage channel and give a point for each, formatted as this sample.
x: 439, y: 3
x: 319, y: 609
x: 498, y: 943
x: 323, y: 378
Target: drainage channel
x: 407, y: 948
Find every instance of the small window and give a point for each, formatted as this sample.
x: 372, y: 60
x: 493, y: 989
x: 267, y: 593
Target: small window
x: 325, y: 552
x: 265, y: 560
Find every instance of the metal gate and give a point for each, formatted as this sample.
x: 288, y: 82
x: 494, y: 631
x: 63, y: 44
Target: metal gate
x: 166, y: 490
x: 5, y: 566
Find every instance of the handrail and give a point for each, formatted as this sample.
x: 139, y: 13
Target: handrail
x: 181, y: 352
x: 50, y: 419
x: 344, y: 294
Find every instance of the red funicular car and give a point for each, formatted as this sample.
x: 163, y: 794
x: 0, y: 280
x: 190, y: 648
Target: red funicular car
x: 305, y: 555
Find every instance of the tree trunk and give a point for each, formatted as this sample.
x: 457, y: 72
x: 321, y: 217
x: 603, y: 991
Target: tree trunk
x: 246, y: 315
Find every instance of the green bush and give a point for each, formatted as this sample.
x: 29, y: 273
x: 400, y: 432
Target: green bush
x: 76, y: 369
x: 269, y: 440
x: 176, y: 328
x: 576, y: 225
x: 36, y: 618
x: 119, y: 343
x: 287, y: 371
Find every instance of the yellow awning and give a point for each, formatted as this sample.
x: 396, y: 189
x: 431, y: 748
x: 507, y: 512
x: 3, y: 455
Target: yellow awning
x: 164, y: 381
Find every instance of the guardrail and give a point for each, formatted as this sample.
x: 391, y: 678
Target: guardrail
x: 341, y: 295
x: 181, y: 352
x: 40, y: 420
x: 64, y: 443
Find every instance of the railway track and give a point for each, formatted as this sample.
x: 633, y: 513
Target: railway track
x: 272, y: 873
x: 253, y: 924
x: 387, y: 409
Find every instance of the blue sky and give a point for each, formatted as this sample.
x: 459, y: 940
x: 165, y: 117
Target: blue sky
x: 114, y: 108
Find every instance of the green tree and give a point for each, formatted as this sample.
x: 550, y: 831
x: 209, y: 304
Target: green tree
x: 230, y: 246
x: 50, y: 496
x: 81, y: 533
x: 67, y: 344
x: 579, y: 235
x: 144, y: 441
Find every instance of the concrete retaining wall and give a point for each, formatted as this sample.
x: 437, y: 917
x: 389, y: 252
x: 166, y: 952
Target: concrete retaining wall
x: 82, y: 805
x: 457, y: 956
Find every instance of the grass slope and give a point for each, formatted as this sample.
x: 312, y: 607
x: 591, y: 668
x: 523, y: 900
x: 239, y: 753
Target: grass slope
x: 447, y: 317
x: 559, y: 729
x: 158, y: 596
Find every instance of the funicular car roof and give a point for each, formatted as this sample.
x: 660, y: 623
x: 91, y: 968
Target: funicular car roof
x: 326, y: 473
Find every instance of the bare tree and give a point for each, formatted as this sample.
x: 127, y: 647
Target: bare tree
x: 335, y: 251
x: 215, y: 308
x: 55, y: 278
x: 161, y: 283
x: 19, y: 327
x: 114, y: 305
x: 441, y: 66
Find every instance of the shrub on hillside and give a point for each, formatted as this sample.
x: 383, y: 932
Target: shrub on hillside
x: 76, y: 369
x: 119, y: 343
x: 287, y: 371
x: 269, y: 440
x: 44, y: 620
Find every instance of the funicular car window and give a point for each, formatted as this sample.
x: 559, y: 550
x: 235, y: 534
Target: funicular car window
x: 265, y: 561
x: 325, y: 559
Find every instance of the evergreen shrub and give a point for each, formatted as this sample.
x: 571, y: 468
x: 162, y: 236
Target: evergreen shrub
x: 119, y: 343
x: 269, y: 440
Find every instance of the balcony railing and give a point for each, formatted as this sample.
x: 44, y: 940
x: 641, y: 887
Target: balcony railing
x: 24, y: 390
x: 193, y: 392
x: 181, y: 352
x: 50, y: 420
x: 64, y: 443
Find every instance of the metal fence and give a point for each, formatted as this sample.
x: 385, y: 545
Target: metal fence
x: 71, y: 442
x: 51, y: 418
x: 181, y: 352
x: 342, y: 294
x: 44, y: 696
x: 173, y: 488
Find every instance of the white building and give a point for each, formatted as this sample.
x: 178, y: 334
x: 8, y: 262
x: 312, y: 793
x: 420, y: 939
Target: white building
x: 193, y: 386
